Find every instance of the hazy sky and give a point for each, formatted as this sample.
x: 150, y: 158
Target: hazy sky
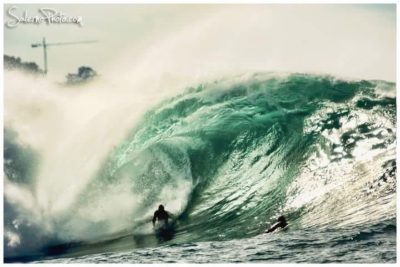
x: 116, y: 27
x: 350, y: 40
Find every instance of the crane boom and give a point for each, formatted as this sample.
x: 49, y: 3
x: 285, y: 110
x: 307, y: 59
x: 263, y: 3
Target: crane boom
x: 64, y: 43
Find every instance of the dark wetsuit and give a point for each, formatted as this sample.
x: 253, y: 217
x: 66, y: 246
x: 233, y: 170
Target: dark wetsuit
x: 280, y: 224
x: 160, y: 215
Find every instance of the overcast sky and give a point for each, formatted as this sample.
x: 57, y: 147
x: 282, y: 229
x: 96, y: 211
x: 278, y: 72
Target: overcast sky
x: 350, y: 40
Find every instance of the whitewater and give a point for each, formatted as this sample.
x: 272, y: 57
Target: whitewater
x: 226, y: 150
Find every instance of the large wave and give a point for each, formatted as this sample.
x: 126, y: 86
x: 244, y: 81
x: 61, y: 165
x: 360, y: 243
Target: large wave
x: 226, y: 157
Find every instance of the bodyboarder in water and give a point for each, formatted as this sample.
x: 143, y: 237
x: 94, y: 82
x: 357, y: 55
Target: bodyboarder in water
x: 280, y: 224
x: 161, y: 215
x: 165, y: 231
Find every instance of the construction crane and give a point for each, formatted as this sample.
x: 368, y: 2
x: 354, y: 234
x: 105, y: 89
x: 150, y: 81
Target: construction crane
x: 45, y: 45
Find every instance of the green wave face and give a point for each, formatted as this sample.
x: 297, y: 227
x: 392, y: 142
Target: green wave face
x: 227, y: 157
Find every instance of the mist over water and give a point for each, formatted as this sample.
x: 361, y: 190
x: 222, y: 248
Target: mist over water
x: 180, y: 126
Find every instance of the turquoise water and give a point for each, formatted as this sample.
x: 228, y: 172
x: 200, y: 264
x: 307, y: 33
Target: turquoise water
x: 227, y: 158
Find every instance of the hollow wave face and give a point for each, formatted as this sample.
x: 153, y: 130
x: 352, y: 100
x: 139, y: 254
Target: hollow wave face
x: 229, y: 156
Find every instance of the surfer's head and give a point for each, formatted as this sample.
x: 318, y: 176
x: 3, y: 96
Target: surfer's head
x: 281, y: 218
x: 161, y: 207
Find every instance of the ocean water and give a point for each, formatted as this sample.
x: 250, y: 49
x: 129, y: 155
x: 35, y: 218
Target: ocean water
x: 374, y: 245
x: 227, y: 157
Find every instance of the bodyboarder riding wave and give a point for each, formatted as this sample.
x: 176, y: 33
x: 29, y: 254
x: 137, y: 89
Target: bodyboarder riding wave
x: 280, y: 224
x: 161, y: 215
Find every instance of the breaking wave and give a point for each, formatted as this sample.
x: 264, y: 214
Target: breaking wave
x: 226, y: 157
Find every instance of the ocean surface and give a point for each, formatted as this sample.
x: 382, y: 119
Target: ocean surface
x: 227, y: 157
